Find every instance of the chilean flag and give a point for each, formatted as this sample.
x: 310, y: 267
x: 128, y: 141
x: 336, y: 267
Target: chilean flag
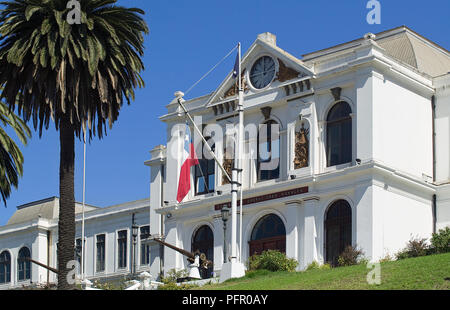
x: 189, y: 160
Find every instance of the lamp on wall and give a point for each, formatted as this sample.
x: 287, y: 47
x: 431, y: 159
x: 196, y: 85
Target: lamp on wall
x: 134, y: 232
x: 225, y: 212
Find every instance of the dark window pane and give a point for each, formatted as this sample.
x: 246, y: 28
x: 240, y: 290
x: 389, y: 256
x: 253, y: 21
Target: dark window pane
x: 268, y: 151
x: 338, y: 227
x: 100, y: 266
x: 24, y: 266
x: 122, y: 248
x: 267, y: 227
x: 339, y: 135
x: 205, y: 173
x: 203, y: 241
x: 5, y: 267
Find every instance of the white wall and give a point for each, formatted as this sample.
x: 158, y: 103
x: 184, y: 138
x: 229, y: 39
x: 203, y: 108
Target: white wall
x: 402, y: 127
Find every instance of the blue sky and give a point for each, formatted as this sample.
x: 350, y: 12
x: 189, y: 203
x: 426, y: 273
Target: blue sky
x: 186, y: 39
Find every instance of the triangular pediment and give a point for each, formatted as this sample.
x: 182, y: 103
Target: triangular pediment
x: 289, y: 69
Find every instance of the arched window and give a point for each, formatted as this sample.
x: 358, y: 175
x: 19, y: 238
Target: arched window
x: 269, y: 151
x: 338, y: 230
x: 205, y: 172
x: 339, y: 134
x: 268, y: 234
x: 23, y: 265
x: 203, y: 241
x: 5, y: 267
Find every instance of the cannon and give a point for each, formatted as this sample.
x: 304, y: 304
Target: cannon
x: 191, y: 257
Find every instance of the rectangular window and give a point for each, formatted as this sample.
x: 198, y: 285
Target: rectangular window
x: 122, y: 248
x: 145, y: 248
x: 100, y: 265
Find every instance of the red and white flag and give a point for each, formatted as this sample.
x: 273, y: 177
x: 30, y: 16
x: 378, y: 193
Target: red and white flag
x: 189, y: 160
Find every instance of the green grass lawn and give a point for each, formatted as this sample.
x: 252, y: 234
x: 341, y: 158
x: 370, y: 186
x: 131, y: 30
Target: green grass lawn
x: 427, y: 273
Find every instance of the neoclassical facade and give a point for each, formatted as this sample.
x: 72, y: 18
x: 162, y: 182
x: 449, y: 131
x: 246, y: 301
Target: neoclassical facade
x: 361, y: 157
x: 349, y: 145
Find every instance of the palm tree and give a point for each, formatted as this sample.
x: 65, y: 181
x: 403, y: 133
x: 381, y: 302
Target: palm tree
x: 78, y: 75
x: 11, y: 159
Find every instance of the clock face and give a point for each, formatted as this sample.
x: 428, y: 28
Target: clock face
x: 263, y: 72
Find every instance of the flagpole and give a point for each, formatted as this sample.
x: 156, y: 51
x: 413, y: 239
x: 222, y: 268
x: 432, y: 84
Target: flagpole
x: 241, y: 147
x: 82, y: 220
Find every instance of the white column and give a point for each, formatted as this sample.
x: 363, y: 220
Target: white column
x: 292, y: 229
x: 310, y: 232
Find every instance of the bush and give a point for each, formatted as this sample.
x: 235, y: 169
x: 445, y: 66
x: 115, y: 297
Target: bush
x: 352, y: 255
x: 315, y: 265
x: 273, y: 261
x: 415, y: 247
x: 170, y: 281
x: 441, y: 240
x: 386, y: 258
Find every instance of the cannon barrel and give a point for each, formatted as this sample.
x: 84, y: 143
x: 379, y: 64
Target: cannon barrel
x: 40, y: 264
x: 191, y: 256
x: 184, y: 252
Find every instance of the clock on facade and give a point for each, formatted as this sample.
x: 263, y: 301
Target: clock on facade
x: 262, y: 72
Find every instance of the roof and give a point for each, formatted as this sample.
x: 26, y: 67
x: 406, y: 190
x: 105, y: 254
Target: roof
x: 46, y: 208
x: 404, y: 45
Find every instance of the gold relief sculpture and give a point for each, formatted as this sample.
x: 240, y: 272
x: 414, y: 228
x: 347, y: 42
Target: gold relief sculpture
x: 228, y: 166
x: 301, y: 159
x: 233, y: 90
x: 285, y: 73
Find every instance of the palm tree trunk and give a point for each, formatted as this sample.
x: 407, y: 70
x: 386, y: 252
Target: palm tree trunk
x: 66, y: 227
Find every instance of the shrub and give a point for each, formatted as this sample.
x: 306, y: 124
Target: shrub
x: 441, y: 240
x: 352, y: 255
x: 415, y: 247
x: 386, y: 258
x: 273, y: 261
x: 170, y: 281
x: 315, y: 265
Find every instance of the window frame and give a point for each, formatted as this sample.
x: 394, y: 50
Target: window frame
x: 8, y: 280
x: 344, y: 142
x: 259, y: 161
x: 198, y: 175
x: 127, y: 249
x: 26, y: 263
x: 147, y: 246
x: 96, y: 253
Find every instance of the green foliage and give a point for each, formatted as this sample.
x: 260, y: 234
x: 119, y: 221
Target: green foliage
x: 414, y: 248
x: 118, y: 285
x: 50, y: 68
x: 386, y: 258
x: 352, y: 255
x: 273, y: 261
x: 316, y: 266
x: 170, y: 281
x: 421, y: 273
x: 441, y: 240
x: 11, y: 158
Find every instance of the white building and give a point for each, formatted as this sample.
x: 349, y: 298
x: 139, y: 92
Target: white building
x: 363, y: 158
x: 363, y: 151
x: 33, y: 230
